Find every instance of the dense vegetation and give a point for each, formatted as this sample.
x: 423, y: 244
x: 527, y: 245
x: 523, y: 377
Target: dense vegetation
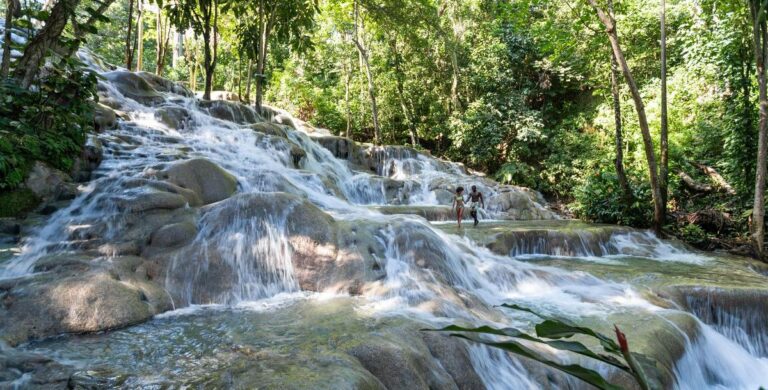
x: 521, y: 90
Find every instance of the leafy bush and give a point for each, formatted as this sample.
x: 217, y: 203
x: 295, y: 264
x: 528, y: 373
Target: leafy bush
x: 600, y: 199
x: 17, y: 202
x: 693, y: 234
x: 47, y: 123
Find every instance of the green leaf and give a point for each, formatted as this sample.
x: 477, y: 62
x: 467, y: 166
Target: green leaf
x: 589, y: 376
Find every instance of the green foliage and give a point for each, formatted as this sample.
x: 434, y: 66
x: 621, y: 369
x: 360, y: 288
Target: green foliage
x: 600, y: 199
x: 48, y: 123
x: 17, y: 202
x: 693, y: 234
x: 550, y: 332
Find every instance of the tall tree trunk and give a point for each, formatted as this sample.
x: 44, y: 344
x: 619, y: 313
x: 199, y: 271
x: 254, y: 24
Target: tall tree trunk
x: 347, y: 72
x: 163, y: 42
x: 401, y: 93
x: 29, y: 64
x: 140, y: 36
x: 610, y: 27
x: 621, y: 175
x: 619, y: 161
x: 664, y: 142
x: 248, y: 83
x: 760, y: 43
x: 128, y: 51
x: 12, y: 9
x: 371, y: 85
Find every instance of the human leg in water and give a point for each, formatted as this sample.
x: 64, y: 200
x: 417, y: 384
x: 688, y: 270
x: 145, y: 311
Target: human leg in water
x: 473, y: 213
x: 459, y: 214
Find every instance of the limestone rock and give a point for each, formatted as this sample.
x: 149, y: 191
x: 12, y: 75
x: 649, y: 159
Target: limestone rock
x: 21, y: 369
x: 151, y: 200
x: 135, y: 87
x: 230, y: 111
x: 164, y: 85
x: 71, y: 301
x: 104, y: 118
x: 45, y: 182
x: 173, y: 235
x: 209, y: 181
x: 269, y: 128
x: 174, y: 117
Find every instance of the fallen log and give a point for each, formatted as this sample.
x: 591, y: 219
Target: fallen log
x: 719, y: 181
x: 693, y: 184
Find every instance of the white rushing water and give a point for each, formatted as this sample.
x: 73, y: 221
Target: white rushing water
x: 463, y: 280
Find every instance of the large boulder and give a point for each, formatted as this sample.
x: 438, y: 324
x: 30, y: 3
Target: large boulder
x: 519, y: 203
x: 164, y: 85
x: 74, y: 300
x: 104, y: 118
x: 175, y: 117
x: 210, y: 182
x: 47, y: 183
x: 135, y: 87
x: 230, y: 111
x: 271, y: 241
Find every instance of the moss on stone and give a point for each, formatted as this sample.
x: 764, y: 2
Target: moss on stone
x: 17, y: 202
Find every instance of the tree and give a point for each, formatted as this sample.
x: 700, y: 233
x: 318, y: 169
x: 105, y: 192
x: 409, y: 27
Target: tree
x: 28, y: 66
x: 365, y: 60
x: 203, y: 17
x: 757, y: 13
x: 140, y: 36
x: 664, y: 144
x: 128, y: 37
x: 163, y: 31
x: 12, y: 9
x: 268, y: 22
x: 610, y: 27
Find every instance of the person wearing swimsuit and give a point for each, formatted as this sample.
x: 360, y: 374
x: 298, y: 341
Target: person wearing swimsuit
x: 476, y: 199
x: 458, y: 204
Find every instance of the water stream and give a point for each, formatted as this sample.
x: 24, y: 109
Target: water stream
x: 431, y: 273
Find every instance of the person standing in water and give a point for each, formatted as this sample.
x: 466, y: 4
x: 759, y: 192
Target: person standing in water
x: 476, y: 199
x: 458, y: 204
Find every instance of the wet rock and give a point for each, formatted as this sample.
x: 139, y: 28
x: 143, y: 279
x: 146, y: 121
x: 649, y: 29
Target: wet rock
x: 225, y: 95
x: 164, y: 85
x: 270, y: 128
x: 151, y: 200
x: 104, y: 118
x: 90, y: 159
x: 21, y: 369
x: 453, y: 356
x: 230, y: 111
x: 209, y: 181
x: 519, y: 203
x: 45, y: 182
x: 173, y: 235
x: 135, y: 87
x: 10, y: 226
x: 403, y: 363
x: 174, y: 117
x: 192, y: 198
x: 72, y: 301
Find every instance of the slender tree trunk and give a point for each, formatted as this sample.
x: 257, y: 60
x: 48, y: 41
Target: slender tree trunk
x: 140, y: 36
x: 621, y: 175
x: 664, y: 142
x: 265, y: 20
x: 371, y: 85
x: 619, y: 161
x: 28, y: 66
x: 610, y: 27
x: 163, y: 42
x: 12, y: 9
x: 401, y: 93
x: 347, y: 72
x: 760, y: 42
x: 128, y: 51
x: 248, y: 83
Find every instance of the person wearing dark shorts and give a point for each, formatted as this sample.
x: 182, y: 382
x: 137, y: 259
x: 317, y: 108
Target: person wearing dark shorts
x: 475, y: 200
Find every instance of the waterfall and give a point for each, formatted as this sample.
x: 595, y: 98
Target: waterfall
x: 244, y: 248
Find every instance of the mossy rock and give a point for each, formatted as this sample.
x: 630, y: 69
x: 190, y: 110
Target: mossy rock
x: 16, y: 203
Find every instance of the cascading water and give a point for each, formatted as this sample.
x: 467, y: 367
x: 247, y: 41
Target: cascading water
x: 424, y: 270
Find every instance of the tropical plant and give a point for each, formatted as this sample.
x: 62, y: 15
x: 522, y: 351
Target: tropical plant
x: 551, y: 332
